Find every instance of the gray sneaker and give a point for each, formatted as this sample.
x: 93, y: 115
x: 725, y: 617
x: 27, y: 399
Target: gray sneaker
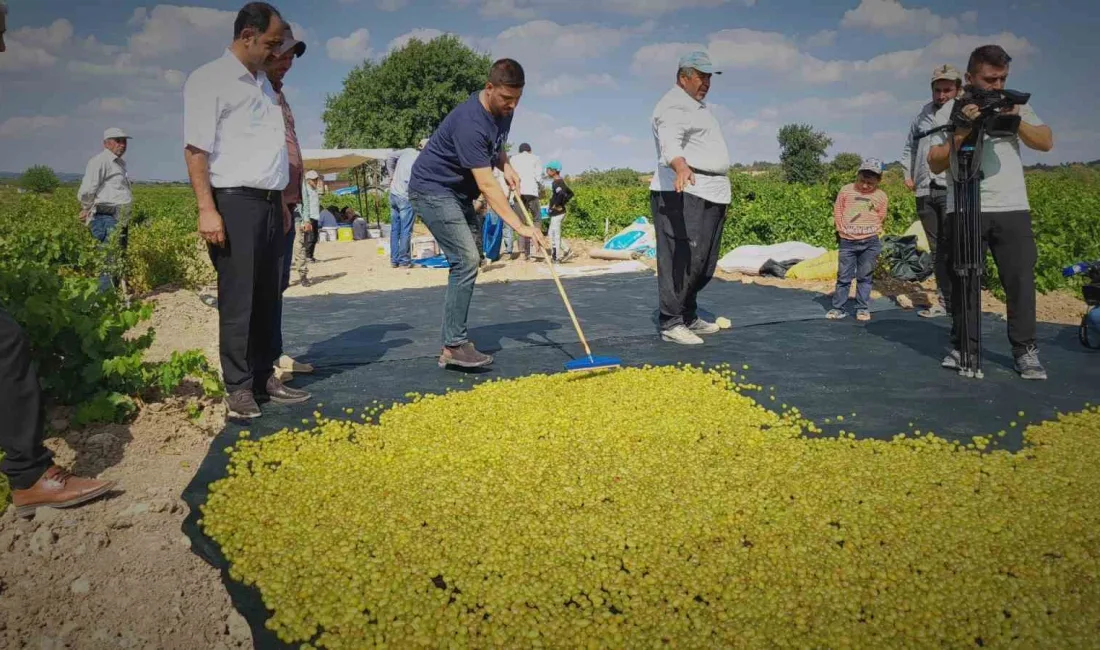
x: 952, y: 361
x: 241, y: 405
x: 700, y: 326
x: 1027, y: 364
x: 682, y: 335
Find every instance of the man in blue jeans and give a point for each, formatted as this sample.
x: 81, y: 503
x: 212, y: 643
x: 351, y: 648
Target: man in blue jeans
x: 455, y: 167
x: 401, y: 210
x: 105, y: 195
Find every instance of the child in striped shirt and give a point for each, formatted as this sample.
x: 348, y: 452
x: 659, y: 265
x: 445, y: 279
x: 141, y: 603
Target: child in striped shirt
x: 859, y: 213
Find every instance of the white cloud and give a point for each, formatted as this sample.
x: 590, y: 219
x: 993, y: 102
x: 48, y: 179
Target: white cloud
x: 780, y: 56
x: 514, y: 9
x: 544, y: 39
x: 424, y: 34
x: 168, y: 30
x: 657, y: 7
x: 621, y: 139
x: 352, y: 49
x: 34, y: 48
x: 108, y: 105
x: 824, y: 38
x: 891, y: 16
x: 27, y: 126
x: 567, y: 84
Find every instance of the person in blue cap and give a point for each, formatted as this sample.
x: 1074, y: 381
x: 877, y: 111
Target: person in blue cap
x: 560, y: 195
x: 689, y: 196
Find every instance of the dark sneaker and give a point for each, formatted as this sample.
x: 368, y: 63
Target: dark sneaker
x: 464, y: 356
x: 241, y: 405
x: 1027, y: 364
x: 700, y: 326
x: 952, y: 361
x: 278, y: 392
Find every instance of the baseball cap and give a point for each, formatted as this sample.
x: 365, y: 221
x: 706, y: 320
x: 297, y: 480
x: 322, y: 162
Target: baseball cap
x: 115, y: 133
x: 871, y: 165
x: 554, y: 164
x: 699, y: 60
x: 291, y: 43
x: 423, y: 143
x: 312, y: 174
x: 946, y: 71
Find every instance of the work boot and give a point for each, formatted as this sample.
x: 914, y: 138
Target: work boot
x: 290, y: 364
x: 682, y: 335
x: 464, y: 356
x: 241, y: 405
x: 1027, y: 364
x: 278, y: 392
x: 57, y: 489
x: 700, y: 326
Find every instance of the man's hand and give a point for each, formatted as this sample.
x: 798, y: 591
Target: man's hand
x: 684, y: 175
x: 910, y: 184
x: 211, y: 227
x: 535, y: 233
x: 512, y: 178
x: 307, y: 225
x: 970, y: 112
x: 288, y: 221
x: 86, y: 216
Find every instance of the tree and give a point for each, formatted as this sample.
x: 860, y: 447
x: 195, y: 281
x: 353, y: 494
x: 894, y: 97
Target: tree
x: 397, y: 101
x: 846, y: 163
x: 39, y: 179
x: 801, y: 150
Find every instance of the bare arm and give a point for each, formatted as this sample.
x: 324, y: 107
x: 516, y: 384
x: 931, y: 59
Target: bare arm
x: 1039, y: 138
x: 211, y: 226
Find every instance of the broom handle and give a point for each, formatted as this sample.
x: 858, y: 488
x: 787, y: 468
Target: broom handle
x: 561, y: 289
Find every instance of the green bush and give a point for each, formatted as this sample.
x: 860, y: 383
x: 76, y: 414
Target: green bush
x: 39, y: 179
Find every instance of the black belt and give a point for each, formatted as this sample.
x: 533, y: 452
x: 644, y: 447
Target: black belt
x: 706, y: 173
x: 251, y: 192
x: 933, y: 186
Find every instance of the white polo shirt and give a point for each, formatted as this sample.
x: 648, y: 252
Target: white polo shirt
x: 685, y: 127
x: 236, y: 118
x: 529, y: 168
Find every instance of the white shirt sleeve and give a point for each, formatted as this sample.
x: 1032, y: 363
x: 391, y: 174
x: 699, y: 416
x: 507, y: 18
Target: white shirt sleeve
x: 1027, y: 114
x: 943, y: 116
x: 200, y: 114
x: 89, y: 186
x: 907, y: 163
x: 670, y: 126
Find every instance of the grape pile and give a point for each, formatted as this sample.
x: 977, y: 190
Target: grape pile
x: 658, y: 506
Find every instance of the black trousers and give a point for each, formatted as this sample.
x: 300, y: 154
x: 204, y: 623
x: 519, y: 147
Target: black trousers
x: 26, y: 459
x: 311, y: 238
x: 1009, y: 237
x: 932, y: 211
x: 249, y: 269
x: 689, y: 234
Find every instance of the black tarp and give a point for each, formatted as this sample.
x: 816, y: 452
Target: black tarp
x: 380, y: 346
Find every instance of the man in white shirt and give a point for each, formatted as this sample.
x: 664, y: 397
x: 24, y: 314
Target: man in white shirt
x: 689, y: 196
x: 401, y: 210
x: 529, y: 167
x: 1005, y: 211
x: 931, y: 189
x: 236, y: 154
x: 105, y: 195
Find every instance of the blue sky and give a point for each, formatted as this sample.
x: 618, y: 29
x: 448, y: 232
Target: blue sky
x: 857, y: 69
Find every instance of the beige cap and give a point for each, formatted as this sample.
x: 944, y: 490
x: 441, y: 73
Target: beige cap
x: 312, y: 175
x: 115, y: 133
x: 946, y: 71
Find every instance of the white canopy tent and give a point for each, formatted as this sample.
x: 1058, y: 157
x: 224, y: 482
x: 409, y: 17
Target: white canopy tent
x: 330, y: 161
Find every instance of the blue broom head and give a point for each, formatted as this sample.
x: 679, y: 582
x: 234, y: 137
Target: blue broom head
x: 593, y: 363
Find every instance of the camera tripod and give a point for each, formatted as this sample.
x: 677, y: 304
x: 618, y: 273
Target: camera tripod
x: 967, y: 247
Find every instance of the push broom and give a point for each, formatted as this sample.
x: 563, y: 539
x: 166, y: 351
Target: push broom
x: 588, y: 362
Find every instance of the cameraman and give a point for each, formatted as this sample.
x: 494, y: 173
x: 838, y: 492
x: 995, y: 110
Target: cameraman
x: 1005, y: 212
x: 931, y: 189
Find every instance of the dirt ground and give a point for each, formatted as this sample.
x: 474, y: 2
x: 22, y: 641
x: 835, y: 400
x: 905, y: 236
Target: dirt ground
x: 119, y: 573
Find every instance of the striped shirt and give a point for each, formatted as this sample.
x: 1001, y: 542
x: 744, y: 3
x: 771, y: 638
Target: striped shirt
x: 858, y: 215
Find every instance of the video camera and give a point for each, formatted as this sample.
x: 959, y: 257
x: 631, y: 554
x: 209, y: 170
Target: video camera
x: 990, y: 103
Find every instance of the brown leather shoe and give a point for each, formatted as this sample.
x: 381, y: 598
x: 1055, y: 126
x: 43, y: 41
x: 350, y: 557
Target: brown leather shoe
x: 57, y: 489
x: 464, y: 356
x: 241, y: 405
x: 280, y: 393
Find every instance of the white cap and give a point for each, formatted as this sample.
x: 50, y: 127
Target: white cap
x: 115, y: 133
x: 311, y: 175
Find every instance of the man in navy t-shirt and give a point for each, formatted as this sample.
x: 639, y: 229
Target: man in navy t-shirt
x: 456, y: 167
